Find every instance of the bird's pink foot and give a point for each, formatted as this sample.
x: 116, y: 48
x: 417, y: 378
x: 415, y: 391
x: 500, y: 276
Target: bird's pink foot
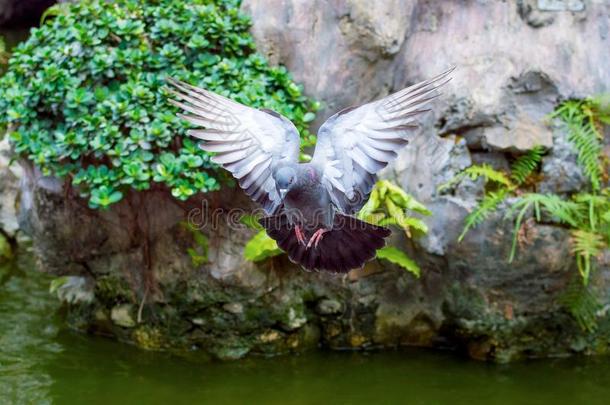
x: 300, y: 235
x: 316, y: 238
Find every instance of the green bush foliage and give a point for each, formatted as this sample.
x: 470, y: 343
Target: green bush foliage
x: 83, y: 96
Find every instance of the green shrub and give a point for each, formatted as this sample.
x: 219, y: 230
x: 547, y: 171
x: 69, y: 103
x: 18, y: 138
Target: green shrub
x: 84, y: 100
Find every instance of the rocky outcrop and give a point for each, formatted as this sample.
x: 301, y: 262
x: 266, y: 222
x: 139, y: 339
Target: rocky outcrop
x: 9, y: 201
x: 133, y: 276
x: 510, y: 72
x: 9, y: 191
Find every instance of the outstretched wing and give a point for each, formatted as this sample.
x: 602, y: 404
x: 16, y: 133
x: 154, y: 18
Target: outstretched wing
x: 247, y: 142
x: 356, y: 143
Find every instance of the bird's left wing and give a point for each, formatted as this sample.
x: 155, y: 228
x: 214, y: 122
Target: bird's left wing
x: 356, y: 143
x: 247, y: 142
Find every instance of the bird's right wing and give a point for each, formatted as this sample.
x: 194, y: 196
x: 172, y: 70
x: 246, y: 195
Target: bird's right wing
x: 247, y: 142
x: 356, y: 143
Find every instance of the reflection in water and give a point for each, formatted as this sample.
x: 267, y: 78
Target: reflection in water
x: 26, y: 336
x: 40, y: 363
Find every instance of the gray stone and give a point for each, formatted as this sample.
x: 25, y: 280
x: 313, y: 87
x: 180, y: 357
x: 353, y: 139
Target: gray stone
x: 234, y: 307
x: 560, y: 169
x: 121, y: 315
x: 9, y: 190
x: 444, y: 225
x: 561, y: 5
x: 73, y: 290
x: 329, y: 307
x: 428, y: 162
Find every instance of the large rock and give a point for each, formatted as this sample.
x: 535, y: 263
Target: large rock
x: 560, y: 171
x: 510, y: 72
x: 142, y: 286
x: 9, y: 191
x: 515, y: 61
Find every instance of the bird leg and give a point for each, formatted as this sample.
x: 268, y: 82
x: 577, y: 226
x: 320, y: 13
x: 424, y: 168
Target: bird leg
x: 300, y: 235
x: 316, y: 237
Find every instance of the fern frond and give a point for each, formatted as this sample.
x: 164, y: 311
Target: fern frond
x: 371, y: 205
x: 475, y: 171
x: 400, y: 258
x: 489, y: 173
x: 261, y: 247
x: 404, y: 200
x: 582, y: 303
x: 594, y: 207
x: 525, y: 164
x: 586, y: 246
x: 587, y: 243
x: 585, y: 136
x: 398, y: 217
x: 567, y: 212
x: 488, y: 205
x: 601, y: 107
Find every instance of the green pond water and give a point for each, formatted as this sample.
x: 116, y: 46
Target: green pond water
x: 42, y: 363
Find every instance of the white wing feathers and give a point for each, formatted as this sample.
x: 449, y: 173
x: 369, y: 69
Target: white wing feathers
x: 353, y: 145
x: 356, y: 143
x: 247, y: 142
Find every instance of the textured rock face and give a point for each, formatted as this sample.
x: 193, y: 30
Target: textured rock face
x: 515, y: 61
x: 132, y: 278
x: 509, y: 73
x: 9, y: 192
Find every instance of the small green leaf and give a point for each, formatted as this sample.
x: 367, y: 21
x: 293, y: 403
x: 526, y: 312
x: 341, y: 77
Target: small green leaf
x: 251, y: 221
x: 308, y: 117
x: 261, y: 247
x: 396, y: 256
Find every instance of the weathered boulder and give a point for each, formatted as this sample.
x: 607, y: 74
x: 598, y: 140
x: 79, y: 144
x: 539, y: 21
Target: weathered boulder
x: 510, y: 72
x: 560, y: 170
x: 142, y: 286
x: 9, y: 195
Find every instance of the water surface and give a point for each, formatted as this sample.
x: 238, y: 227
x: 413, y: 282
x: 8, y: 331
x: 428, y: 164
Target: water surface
x: 42, y: 363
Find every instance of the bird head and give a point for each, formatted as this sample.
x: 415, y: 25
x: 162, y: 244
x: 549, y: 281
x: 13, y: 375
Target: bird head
x: 285, y: 178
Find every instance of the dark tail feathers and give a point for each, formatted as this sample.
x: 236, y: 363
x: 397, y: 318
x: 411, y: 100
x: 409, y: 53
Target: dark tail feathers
x: 349, y: 245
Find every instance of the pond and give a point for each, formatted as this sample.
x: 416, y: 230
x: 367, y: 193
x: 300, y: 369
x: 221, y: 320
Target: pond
x: 42, y: 363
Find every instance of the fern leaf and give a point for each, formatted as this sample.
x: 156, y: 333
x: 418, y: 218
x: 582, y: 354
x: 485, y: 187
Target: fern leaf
x: 585, y: 136
x: 567, y: 212
x: 476, y: 171
x: 406, y: 223
x: 375, y: 218
x: 488, y: 205
x: 489, y: 173
x: 582, y: 303
x: 525, y: 164
x: 371, y: 205
x: 586, y: 246
x: 400, y: 258
x: 404, y: 200
x: 251, y: 221
x: 261, y: 247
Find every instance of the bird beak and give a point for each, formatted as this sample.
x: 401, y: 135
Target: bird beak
x: 283, y: 192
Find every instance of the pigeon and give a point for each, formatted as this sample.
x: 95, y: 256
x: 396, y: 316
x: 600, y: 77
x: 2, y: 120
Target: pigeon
x: 309, y: 207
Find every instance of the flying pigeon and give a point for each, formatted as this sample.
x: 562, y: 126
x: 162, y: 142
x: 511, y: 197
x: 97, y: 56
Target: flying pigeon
x: 309, y: 207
